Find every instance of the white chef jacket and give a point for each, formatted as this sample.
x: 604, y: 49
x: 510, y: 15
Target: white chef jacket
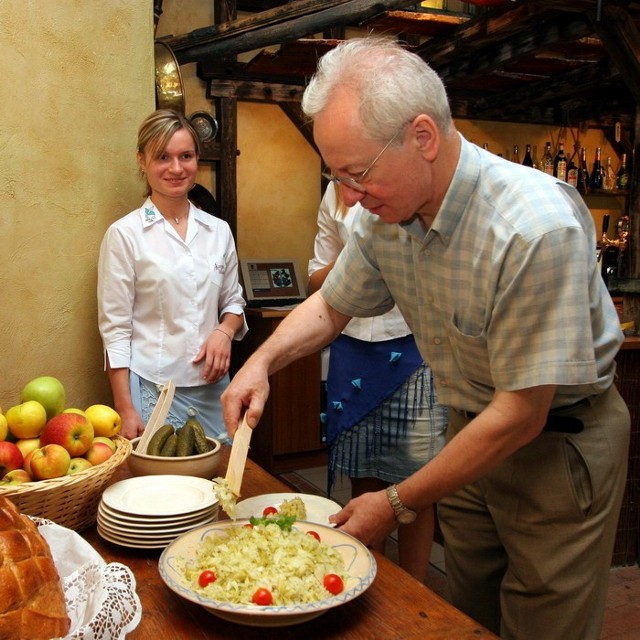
x: 160, y: 297
x: 333, y: 232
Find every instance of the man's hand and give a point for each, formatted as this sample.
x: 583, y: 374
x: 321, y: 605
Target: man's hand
x: 249, y: 390
x: 368, y: 517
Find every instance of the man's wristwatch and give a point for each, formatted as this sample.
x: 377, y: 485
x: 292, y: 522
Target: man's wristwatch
x: 403, y: 514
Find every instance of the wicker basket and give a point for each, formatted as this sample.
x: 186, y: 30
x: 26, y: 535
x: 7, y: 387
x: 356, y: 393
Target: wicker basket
x: 71, y: 501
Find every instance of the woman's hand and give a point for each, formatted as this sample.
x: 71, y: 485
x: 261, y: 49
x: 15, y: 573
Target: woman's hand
x: 216, y: 354
x: 132, y: 425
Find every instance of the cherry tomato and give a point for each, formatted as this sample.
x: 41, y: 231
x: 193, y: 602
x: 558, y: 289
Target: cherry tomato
x: 262, y: 597
x: 207, y: 577
x: 267, y: 511
x: 333, y: 584
x: 248, y: 525
x: 314, y: 534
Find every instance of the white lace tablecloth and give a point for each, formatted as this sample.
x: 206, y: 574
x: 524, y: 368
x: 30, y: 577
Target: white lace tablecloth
x: 101, y: 598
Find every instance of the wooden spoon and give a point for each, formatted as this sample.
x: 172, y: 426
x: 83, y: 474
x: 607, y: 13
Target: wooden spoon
x: 158, y: 416
x: 238, y: 456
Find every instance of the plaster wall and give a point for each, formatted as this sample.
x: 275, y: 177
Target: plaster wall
x: 78, y: 79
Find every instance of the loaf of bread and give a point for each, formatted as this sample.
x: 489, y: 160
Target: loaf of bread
x: 32, y: 603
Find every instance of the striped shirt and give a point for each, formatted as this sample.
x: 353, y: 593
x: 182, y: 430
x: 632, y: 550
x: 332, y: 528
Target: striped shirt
x: 502, y: 293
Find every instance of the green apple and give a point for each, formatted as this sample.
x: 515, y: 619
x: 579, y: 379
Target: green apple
x: 78, y: 464
x: 48, y: 391
x: 26, y: 420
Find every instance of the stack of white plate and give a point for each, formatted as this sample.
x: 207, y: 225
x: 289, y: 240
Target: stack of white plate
x: 148, y: 512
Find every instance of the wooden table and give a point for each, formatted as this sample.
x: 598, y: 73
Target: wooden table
x: 395, y: 607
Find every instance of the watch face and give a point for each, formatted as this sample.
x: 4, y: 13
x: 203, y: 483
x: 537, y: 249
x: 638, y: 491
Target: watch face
x: 406, y: 517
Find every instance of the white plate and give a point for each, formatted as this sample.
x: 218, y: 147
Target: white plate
x: 150, y: 534
x: 161, y: 495
x: 125, y: 520
x: 359, y: 563
x: 132, y: 544
x: 318, y: 508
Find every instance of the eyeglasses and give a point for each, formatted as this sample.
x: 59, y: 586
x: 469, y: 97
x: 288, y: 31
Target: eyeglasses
x: 355, y: 183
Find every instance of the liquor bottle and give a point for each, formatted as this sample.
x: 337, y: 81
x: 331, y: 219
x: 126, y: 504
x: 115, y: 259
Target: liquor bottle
x: 534, y: 157
x: 516, y: 154
x: 527, y: 160
x: 583, y: 172
x: 547, y: 159
x: 560, y: 163
x: 609, y: 176
x: 572, y: 173
x: 622, y: 178
x: 595, y: 181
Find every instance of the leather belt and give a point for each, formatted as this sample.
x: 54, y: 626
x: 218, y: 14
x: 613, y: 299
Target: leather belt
x: 555, y: 423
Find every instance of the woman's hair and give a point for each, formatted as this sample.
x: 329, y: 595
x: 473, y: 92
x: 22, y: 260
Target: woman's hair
x: 393, y: 85
x: 157, y: 129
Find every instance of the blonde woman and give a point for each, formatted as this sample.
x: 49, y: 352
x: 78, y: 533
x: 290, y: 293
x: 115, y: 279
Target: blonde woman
x: 169, y: 300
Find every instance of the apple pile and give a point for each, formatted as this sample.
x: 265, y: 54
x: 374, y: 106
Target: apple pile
x: 41, y: 438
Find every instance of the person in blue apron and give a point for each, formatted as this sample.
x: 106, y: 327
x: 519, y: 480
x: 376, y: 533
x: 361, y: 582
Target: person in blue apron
x: 383, y: 421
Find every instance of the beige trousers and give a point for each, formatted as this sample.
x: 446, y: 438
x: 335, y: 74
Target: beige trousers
x: 528, y: 547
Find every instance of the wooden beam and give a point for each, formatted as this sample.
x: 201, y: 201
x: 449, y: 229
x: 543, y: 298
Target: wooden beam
x: 294, y: 112
x: 238, y: 38
x: 254, y: 91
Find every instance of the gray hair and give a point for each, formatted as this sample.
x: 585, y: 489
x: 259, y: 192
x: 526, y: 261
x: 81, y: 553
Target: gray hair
x: 393, y: 84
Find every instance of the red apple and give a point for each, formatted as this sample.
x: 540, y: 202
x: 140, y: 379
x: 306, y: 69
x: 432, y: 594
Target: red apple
x: 17, y: 476
x: 50, y: 461
x: 10, y: 457
x: 28, y: 444
x: 98, y: 452
x: 26, y: 465
x: 108, y: 441
x: 78, y: 464
x: 72, y: 431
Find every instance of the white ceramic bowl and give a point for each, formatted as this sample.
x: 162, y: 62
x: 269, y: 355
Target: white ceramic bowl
x: 203, y: 465
x: 358, y: 560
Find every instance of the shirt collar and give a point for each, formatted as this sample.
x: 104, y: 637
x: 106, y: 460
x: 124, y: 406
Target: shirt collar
x: 460, y: 191
x: 150, y: 215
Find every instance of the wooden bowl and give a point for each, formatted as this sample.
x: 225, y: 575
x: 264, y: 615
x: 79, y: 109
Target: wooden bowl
x: 203, y: 465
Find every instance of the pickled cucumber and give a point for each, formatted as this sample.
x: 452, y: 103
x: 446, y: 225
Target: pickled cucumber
x: 202, y: 445
x: 170, y: 446
x: 158, y: 439
x: 186, y: 440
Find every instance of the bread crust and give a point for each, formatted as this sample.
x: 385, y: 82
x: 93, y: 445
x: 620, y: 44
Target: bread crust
x: 32, y: 605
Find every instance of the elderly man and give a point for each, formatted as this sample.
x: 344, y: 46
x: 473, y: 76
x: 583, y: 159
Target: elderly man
x: 493, y: 266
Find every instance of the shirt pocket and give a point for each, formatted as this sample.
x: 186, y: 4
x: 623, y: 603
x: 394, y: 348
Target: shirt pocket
x: 217, y: 269
x: 471, y: 355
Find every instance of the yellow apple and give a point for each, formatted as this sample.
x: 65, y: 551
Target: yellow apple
x: 78, y: 464
x: 50, y: 461
x: 4, y: 427
x: 105, y: 420
x: 26, y: 420
x: 74, y: 410
x: 108, y: 441
x: 17, y: 476
x: 28, y: 444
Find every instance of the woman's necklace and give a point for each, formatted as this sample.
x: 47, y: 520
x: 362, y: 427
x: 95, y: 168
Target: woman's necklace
x: 179, y: 220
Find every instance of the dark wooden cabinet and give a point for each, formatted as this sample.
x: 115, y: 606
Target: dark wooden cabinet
x: 289, y: 435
